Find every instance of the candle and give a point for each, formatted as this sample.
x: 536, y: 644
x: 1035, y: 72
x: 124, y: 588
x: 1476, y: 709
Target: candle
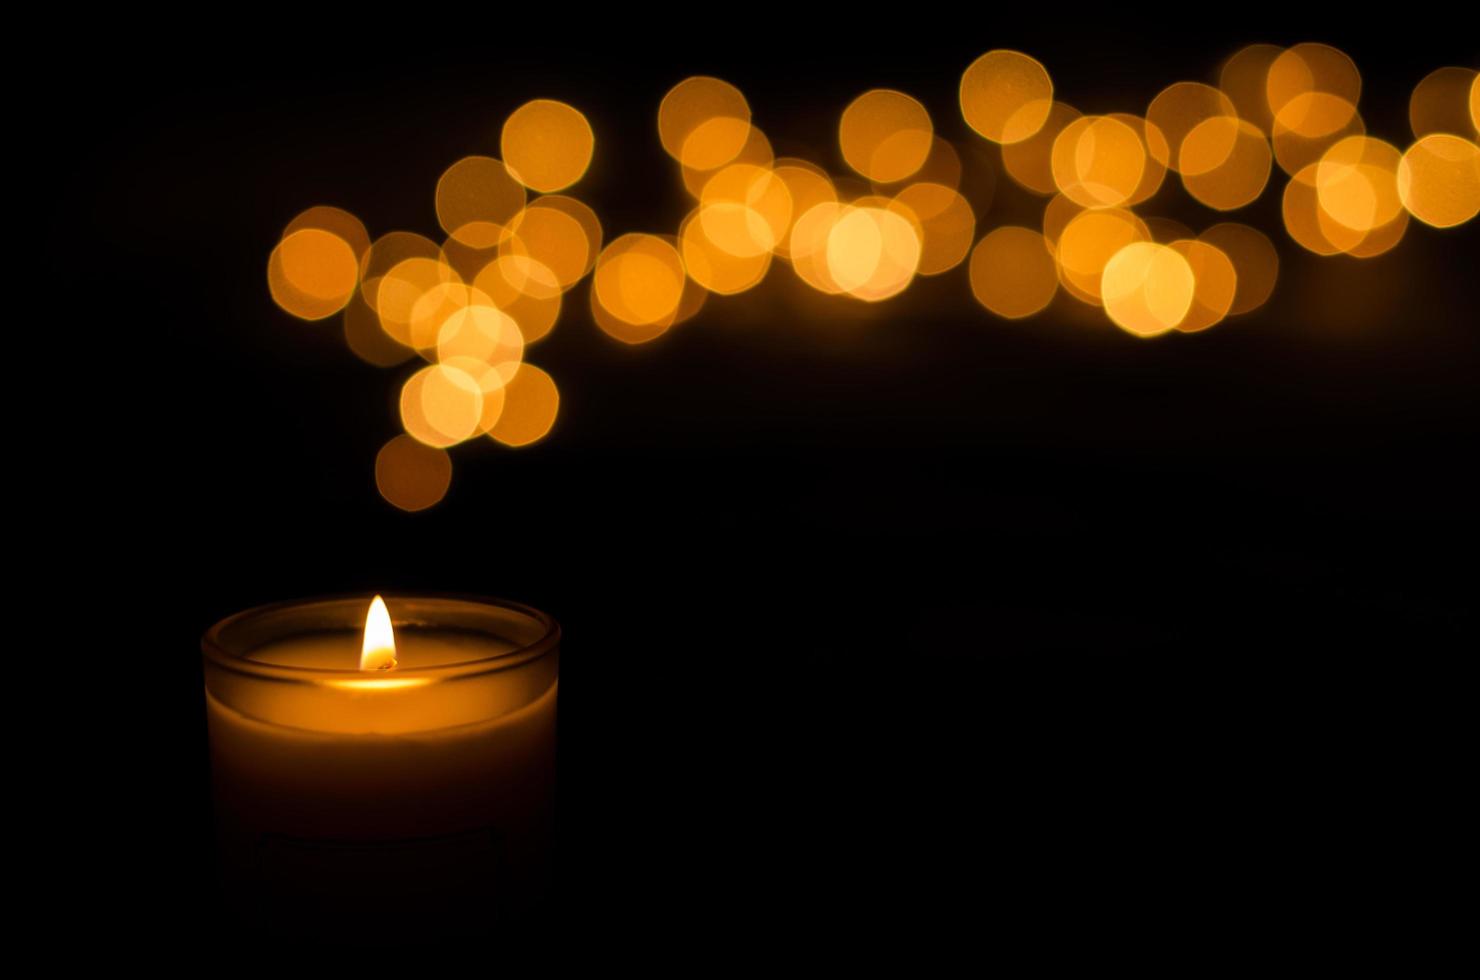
x: 396, y: 752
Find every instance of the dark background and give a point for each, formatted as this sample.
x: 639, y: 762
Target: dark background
x: 875, y: 616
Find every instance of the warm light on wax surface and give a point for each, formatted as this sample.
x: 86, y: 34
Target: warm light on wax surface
x: 331, y: 666
x: 383, y: 680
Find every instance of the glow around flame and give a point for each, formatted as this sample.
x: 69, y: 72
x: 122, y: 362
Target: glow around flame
x: 379, y: 649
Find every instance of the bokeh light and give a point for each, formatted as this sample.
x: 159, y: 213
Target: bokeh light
x: 498, y: 282
x: 885, y: 135
x: 703, y: 122
x: 1155, y: 171
x: 1088, y: 242
x: 553, y: 238
x: 1356, y: 183
x: 473, y: 246
x: 370, y: 343
x: 710, y: 144
x: 1346, y: 206
x: 1244, y: 79
x: 1057, y: 214
x: 584, y: 216
x: 716, y: 268
x: 547, y: 145
x: 1439, y: 180
x: 526, y: 290
x: 1006, y: 96
x: 1312, y: 89
x: 410, y: 294
x: 1381, y: 239
x: 809, y: 240
x: 492, y: 383
x: 807, y: 185
x: 474, y: 193
x: 946, y: 224
x: 1177, y: 111
x: 1147, y: 288
x: 312, y: 273
x: 1441, y: 103
x: 1307, y: 224
x: 1294, y: 151
x: 436, y: 307
x: 757, y: 151
x: 1029, y: 161
x: 1256, y: 264
x: 484, y: 335
x: 745, y: 209
x: 441, y: 405
x: 1225, y: 162
x: 386, y: 252
x: 1013, y: 273
x: 639, y: 281
x: 1215, y: 284
x: 336, y: 221
x: 872, y: 252
x: 410, y: 475
x: 531, y: 404
x: 942, y: 166
x: 1098, y: 161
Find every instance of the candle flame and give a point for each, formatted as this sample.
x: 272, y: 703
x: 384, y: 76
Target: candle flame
x: 379, y: 649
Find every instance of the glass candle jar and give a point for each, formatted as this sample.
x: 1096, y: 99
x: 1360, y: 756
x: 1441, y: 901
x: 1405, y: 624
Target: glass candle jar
x: 427, y: 788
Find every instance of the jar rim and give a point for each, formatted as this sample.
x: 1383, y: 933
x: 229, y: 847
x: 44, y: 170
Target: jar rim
x: 219, y: 653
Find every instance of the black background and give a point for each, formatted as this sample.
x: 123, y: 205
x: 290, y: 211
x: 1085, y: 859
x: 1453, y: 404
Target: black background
x: 875, y: 616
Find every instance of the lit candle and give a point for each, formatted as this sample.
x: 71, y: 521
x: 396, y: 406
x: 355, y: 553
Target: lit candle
x: 359, y: 761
